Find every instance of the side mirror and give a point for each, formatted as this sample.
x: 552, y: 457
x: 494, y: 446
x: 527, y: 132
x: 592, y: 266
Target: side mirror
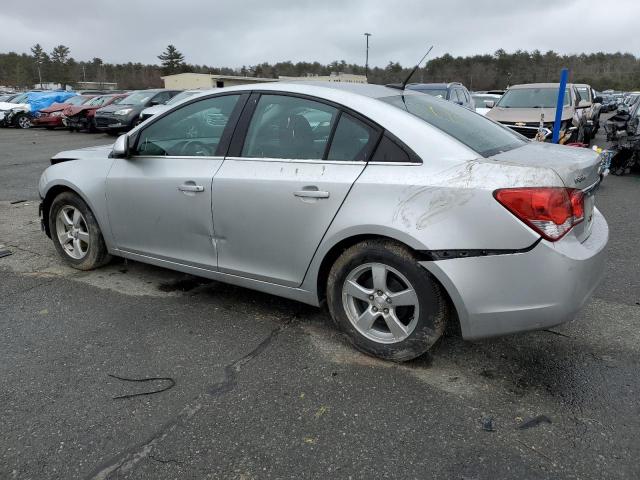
x: 489, y: 104
x: 153, y: 103
x: 597, y: 100
x: 584, y: 104
x: 121, y: 147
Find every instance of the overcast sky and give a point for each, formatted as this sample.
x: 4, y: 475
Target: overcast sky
x: 245, y: 32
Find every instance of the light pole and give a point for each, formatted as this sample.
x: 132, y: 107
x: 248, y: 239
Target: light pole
x: 366, y: 62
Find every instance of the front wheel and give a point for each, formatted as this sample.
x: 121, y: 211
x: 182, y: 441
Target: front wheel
x: 385, y: 302
x: 76, y: 234
x: 22, y: 121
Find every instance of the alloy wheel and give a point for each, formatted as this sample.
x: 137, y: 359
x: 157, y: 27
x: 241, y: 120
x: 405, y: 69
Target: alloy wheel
x: 24, y: 122
x: 380, y: 303
x: 73, y: 233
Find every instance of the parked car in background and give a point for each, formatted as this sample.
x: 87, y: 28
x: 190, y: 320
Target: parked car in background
x: 82, y: 117
x: 26, y: 106
x: 454, y: 92
x: 412, y: 214
x: 530, y: 110
x: 51, y: 117
x: 151, y: 111
x: 7, y: 97
x: 125, y: 115
x: 481, y: 99
x: 592, y: 105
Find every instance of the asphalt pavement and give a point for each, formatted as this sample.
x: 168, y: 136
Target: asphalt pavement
x: 262, y: 387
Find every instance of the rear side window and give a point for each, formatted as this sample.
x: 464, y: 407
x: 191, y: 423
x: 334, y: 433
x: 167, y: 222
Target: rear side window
x: 352, y: 140
x: 289, y: 127
x: 390, y: 151
x: 475, y: 131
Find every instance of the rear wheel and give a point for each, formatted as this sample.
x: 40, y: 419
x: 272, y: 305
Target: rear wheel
x: 386, y: 303
x: 76, y: 234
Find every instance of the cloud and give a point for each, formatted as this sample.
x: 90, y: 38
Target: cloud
x: 235, y: 33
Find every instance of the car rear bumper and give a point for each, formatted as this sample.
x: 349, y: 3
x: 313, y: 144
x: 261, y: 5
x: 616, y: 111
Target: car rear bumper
x: 503, y: 294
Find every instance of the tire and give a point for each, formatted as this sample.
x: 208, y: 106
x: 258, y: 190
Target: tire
x: 22, y: 121
x: 84, y: 248
x: 393, y: 332
x: 91, y: 126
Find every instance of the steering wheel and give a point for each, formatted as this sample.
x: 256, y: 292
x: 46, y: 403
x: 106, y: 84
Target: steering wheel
x: 196, y: 148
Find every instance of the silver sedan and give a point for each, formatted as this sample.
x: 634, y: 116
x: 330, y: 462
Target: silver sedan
x: 404, y: 213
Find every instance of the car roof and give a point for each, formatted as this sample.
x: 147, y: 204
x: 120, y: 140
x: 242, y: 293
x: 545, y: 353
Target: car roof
x: 321, y: 89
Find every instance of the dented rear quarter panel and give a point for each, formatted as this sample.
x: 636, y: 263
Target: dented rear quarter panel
x: 439, y: 205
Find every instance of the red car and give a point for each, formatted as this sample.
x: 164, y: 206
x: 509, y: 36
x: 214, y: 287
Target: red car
x: 81, y: 117
x: 51, y: 117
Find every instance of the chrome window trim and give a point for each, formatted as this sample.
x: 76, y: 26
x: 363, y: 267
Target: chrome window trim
x: 297, y: 160
x: 208, y: 157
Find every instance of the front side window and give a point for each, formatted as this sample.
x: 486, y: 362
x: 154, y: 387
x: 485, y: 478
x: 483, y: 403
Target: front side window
x: 193, y: 130
x: 289, y: 127
x: 475, y: 131
x: 352, y: 140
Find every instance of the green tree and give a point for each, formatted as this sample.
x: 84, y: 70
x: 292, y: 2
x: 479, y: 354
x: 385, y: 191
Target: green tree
x: 60, y: 63
x: 40, y: 57
x: 172, y: 60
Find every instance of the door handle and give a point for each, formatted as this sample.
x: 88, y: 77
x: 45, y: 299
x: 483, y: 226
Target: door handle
x: 311, y: 193
x: 190, y: 187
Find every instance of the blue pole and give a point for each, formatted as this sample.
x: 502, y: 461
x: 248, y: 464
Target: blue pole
x: 564, y: 75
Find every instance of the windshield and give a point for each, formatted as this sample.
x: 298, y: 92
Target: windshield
x: 20, y: 98
x: 77, y: 100
x: 180, y: 96
x: 137, y: 98
x: 475, y: 131
x: 96, y: 101
x: 546, y: 97
x: 118, y: 100
x: 434, y: 92
x: 481, y: 99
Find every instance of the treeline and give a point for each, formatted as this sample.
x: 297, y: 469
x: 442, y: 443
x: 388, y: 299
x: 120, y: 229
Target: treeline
x: 620, y: 71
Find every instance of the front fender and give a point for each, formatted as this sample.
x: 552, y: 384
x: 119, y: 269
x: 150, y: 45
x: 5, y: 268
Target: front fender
x: 88, y: 180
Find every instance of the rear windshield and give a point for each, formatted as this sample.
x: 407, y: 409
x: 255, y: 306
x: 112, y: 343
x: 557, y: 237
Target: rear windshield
x: 475, y: 131
x: 434, y: 92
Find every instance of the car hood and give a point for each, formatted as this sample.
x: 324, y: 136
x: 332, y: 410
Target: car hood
x: 156, y: 109
x: 88, y: 153
x: 75, y: 109
x: 56, y: 107
x: 578, y: 167
x: 527, y: 115
x: 10, y: 106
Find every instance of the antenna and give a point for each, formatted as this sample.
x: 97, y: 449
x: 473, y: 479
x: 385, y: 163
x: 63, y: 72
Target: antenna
x: 403, y: 85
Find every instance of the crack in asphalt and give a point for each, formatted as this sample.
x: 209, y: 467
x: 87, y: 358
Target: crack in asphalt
x: 129, y: 458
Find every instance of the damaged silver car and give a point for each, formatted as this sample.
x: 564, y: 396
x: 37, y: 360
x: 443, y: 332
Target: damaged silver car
x: 403, y: 212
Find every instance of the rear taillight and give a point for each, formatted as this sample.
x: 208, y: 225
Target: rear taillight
x: 550, y: 211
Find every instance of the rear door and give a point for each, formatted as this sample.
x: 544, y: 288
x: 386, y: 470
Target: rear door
x: 292, y: 162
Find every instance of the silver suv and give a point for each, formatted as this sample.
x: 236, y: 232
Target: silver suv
x: 401, y: 211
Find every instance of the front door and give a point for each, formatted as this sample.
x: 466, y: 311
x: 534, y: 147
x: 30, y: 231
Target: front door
x: 159, y: 199
x: 274, y: 200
